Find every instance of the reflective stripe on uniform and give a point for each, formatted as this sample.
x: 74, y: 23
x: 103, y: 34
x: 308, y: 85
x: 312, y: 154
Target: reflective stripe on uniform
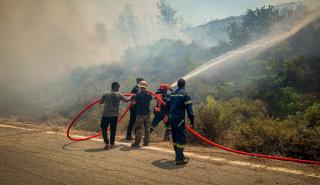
x: 177, y: 95
x: 174, y: 144
x: 181, y: 146
x: 188, y: 102
x: 180, y: 123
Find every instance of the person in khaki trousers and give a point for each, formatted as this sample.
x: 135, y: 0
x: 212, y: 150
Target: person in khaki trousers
x: 142, y: 100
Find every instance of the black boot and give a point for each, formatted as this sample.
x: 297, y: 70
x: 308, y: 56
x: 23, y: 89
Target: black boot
x: 175, y: 151
x: 180, y: 159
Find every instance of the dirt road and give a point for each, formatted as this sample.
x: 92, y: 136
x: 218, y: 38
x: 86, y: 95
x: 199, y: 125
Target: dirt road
x: 31, y: 154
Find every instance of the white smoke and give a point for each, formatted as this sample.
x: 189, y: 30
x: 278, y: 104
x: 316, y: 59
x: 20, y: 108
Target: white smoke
x: 41, y: 40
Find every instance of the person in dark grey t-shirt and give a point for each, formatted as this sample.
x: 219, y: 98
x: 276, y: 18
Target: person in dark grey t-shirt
x: 111, y: 101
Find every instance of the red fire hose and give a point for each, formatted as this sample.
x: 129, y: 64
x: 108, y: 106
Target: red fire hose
x: 211, y: 143
x: 247, y: 153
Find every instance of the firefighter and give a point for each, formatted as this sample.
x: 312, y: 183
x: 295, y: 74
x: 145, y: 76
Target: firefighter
x: 177, y: 104
x: 133, y: 110
x: 159, y: 113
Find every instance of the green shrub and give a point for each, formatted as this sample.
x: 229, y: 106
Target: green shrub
x: 218, y: 118
x: 289, y: 137
x: 312, y: 115
x: 239, y: 110
x: 291, y: 101
x: 305, y: 144
x: 249, y: 128
x: 210, y: 118
x: 258, y: 135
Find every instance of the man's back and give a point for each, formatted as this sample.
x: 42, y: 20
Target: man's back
x: 111, y: 102
x: 143, y: 99
x: 180, y: 101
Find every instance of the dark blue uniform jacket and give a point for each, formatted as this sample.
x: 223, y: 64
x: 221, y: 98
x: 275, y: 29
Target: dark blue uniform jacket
x: 178, y: 103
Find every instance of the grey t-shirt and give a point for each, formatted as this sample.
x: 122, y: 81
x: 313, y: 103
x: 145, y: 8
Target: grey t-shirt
x: 111, y: 102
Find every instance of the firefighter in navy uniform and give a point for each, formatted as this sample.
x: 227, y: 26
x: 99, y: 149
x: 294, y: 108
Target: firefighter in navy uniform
x: 177, y: 104
x: 159, y: 112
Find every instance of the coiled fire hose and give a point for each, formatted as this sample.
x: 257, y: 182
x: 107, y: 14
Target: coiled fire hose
x: 75, y: 119
x: 202, y: 138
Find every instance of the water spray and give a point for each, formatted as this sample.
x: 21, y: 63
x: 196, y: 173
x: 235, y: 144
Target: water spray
x: 251, y: 49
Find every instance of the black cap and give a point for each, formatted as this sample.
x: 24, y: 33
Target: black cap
x: 181, y: 83
x: 139, y: 79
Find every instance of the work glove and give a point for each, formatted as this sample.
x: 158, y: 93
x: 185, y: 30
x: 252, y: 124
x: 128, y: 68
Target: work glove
x: 191, y: 122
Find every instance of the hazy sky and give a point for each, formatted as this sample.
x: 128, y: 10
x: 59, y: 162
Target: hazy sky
x: 199, y: 11
x: 194, y: 12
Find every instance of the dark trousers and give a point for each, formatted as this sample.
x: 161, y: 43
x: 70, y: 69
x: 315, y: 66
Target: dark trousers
x: 179, y: 138
x: 133, y: 117
x: 158, y: 117
x: 105, y: 122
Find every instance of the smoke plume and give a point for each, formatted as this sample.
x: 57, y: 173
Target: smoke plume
x: 42, y: 39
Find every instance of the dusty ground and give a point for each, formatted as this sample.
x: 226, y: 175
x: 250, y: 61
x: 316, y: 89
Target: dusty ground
x: 41, y: 154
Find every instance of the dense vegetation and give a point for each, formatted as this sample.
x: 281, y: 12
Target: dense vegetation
x: 269, y: 104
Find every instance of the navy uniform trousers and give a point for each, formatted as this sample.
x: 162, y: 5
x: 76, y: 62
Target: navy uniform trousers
x: 179, y: 138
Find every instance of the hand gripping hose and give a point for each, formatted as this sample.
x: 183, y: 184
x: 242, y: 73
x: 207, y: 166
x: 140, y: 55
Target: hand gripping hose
x: 202, y: 138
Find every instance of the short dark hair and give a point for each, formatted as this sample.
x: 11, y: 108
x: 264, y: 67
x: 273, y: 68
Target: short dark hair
x: 115, y: 85
x: 139, y: 79
x: 181, y: 83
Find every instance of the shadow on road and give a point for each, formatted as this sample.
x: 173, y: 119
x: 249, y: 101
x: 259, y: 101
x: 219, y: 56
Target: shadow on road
x: 95, y: 150
x: 66, y: 147
x: 166, y: 164
x: 99, y: 149
x: 127, y: 148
